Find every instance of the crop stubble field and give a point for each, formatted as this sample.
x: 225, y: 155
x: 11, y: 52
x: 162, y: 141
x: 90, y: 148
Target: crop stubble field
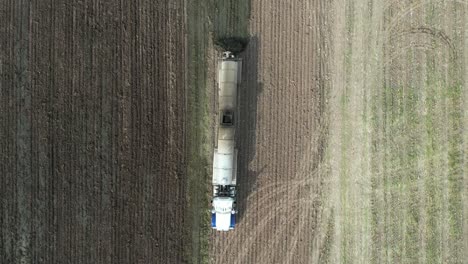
x: 397, y: 139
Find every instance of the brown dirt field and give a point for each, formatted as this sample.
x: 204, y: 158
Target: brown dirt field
x: 281, y: 102
x: 92, y: 131
x: 352, y: 141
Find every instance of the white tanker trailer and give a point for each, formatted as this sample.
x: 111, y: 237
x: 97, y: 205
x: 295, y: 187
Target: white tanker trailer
x: 223, y: 212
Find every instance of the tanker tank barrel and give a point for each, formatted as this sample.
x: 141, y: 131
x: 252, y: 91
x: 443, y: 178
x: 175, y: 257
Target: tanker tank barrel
x: 225, y: 151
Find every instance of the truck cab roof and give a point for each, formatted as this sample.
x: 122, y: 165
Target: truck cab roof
x: 223, y: 218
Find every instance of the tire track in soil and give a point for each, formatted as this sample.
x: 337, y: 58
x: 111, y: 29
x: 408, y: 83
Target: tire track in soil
x: 279, y: 215
x: 98, y: 115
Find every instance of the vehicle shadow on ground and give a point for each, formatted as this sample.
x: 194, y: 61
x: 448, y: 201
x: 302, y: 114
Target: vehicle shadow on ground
x: 249, y: 92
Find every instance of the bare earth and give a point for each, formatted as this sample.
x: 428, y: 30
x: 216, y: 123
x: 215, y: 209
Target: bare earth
x: 282, y: 101
x: 92, y: 132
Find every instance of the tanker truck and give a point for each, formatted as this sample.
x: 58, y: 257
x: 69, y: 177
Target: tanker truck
x: 223, y: 212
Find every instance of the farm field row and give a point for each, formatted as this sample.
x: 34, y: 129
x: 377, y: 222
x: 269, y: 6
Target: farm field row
x: 92, y: 132
x: 396, y: 143
x: 352, y: 150
x: 282, y: 99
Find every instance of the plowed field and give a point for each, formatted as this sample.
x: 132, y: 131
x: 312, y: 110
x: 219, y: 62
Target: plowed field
x: 92, y: 131
x: 282, y: 99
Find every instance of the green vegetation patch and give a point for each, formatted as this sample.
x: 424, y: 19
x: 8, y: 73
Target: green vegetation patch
x: 414, y: 136
x: 411, y: 99
x: 231, y: 19
x: 199, y: 141
x: 455, y: 174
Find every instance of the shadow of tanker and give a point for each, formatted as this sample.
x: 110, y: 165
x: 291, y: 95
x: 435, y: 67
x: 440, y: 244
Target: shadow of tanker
x: 249, y: 91
x: 236, y: 45
x: 246, y: 124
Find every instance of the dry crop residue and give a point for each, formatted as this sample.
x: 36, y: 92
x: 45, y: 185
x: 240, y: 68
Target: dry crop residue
x: 396, y: 132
